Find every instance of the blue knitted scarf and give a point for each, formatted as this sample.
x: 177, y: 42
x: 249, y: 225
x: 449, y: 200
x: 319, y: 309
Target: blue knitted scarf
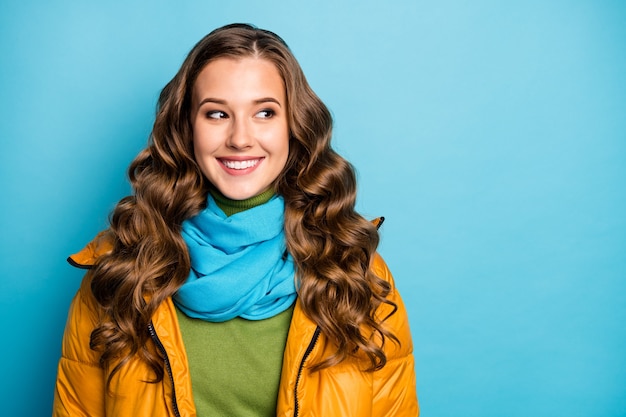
x: 238, y: 264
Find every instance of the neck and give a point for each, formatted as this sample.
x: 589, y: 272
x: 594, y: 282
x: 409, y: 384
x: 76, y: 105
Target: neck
x: 230, y: 207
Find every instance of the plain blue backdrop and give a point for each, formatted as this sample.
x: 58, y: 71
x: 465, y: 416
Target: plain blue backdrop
x: 492, y: 135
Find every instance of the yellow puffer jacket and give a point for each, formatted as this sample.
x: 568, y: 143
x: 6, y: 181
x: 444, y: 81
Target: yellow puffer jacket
x: 342, y: 390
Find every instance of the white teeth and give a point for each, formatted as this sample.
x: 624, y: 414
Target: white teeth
x: 240, y: 164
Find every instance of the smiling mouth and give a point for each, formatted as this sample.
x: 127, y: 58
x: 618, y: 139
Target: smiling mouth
x: 240, y: 164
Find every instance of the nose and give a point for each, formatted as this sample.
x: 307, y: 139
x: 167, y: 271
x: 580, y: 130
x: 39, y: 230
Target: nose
x: 240, y: 136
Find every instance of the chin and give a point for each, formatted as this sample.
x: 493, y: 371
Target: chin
x: 240, y: 195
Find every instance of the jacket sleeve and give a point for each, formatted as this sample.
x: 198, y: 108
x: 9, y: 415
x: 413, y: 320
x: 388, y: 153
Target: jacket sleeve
x: 395, y: 392
x: 79, y: 387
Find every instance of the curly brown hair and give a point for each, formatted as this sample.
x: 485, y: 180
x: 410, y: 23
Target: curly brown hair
x: 331, y: 244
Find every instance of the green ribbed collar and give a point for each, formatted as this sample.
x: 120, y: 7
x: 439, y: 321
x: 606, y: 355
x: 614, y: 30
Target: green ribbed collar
x: 230, y: 207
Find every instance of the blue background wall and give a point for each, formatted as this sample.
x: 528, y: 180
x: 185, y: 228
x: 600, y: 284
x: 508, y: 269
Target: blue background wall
x: 490, y: 134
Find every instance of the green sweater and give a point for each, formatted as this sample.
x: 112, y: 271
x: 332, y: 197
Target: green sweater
x: 235, y: 366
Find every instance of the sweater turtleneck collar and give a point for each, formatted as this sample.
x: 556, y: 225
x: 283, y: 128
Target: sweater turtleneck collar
x: 230, y: 207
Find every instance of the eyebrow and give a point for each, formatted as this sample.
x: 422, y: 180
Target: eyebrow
x: 224, y: 102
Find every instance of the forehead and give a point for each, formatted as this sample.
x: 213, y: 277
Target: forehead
x: 242, y: 77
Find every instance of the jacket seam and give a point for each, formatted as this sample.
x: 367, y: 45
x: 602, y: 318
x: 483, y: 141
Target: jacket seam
x: 90, y: 364
x: 396, y: 359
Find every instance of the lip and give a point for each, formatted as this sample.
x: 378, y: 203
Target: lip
x: 240, y: 159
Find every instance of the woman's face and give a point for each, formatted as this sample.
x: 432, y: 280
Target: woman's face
x: 240, y: 129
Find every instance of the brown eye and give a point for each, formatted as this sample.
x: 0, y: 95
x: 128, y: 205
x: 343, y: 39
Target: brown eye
x: 266, y: 114
x: 216, y: 114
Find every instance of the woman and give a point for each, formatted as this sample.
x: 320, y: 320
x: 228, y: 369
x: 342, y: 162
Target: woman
x: 237, y: 279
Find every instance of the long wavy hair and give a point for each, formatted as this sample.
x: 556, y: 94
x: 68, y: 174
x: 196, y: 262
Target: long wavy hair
x: 331, y: 244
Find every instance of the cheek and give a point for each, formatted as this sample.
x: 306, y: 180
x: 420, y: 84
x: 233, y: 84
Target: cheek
x: 203, y: 148
x: 286, y: 151
x: 203, y: 142
x: 198, y: 150
x: 283, y: 144
x: 197, y: 145
x: 284, y: 156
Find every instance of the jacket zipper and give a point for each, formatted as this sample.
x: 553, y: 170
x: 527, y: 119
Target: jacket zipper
x: 168, y: 366
x: 307, y: 352
x: 309, y: 349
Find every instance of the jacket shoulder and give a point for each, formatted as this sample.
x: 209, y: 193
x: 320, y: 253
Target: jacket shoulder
x: 380, y: 268
x: 397, y: 378
x: 87, y: 257
x: 393, y: 314
x: 85, y: 313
